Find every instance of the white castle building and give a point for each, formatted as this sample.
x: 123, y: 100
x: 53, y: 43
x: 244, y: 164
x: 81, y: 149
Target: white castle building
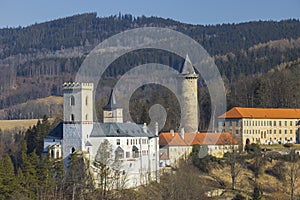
x: 134, y: 146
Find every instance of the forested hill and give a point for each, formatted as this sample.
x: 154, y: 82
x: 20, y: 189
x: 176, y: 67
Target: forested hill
x: 79, y: 30
x: 36, y: 60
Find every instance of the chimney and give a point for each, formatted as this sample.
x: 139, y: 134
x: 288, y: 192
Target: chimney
x: 156, y: 128
x: 182, y: 133
x: 172, y: 132
x: 145, y: 128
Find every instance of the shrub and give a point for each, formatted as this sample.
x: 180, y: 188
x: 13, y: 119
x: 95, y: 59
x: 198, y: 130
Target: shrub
x: 288, y: 145
x: 277, y: 171
x: 239, y: 197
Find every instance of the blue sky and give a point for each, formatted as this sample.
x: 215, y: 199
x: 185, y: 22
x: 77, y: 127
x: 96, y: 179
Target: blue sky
x: 25, y: 12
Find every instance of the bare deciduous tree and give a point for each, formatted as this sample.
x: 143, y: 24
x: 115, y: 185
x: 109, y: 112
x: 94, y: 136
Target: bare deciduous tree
x: 293, y: 173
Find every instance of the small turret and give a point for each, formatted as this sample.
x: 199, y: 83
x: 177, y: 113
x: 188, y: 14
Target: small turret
x: 112, y: 111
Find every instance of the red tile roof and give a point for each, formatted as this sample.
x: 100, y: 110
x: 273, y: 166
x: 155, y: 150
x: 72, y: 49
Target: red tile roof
x: 196, y: 138
x: 268, y: 113
x: 168, y: 139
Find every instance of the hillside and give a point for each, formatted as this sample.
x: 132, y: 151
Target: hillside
x: 50, y: 106
x: 36, y: 60
x: 19, y: 125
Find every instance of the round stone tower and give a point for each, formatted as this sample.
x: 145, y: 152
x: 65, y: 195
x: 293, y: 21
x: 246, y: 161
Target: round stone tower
x: 189, y: 101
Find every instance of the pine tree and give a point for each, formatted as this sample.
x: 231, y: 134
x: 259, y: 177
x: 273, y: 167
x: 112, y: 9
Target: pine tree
x: 8, y: 183
x: 29, y: 166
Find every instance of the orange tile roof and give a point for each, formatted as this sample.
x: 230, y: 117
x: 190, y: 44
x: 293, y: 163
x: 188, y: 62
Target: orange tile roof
x: 196, y: 138
x: 268, y: 113
x: 168, y: 139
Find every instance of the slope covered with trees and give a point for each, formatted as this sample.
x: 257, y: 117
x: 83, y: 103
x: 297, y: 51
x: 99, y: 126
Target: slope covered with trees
x: 257, y: 60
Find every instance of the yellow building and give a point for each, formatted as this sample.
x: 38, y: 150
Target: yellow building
x: 261, y: 125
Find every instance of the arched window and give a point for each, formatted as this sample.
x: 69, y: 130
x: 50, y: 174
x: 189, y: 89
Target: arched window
x: 119, y: 153
x: 72, y: 100
x: 57, y: 154
x: 72, y: 118
x: 52, y: 153
x: 72, y: 150
x: 86, y: 100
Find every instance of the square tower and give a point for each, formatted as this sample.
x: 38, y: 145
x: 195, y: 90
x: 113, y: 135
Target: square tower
x: 78, y: 102
x: 78, y: 117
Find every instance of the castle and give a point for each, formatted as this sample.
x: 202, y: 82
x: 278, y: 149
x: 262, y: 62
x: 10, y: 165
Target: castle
x: 133, y: 145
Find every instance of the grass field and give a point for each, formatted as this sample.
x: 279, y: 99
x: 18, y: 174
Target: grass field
x: 17, y: 124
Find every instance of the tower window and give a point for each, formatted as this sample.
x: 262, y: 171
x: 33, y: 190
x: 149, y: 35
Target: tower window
x: 72, y: 101
x: 72, y: 118
x: 86, y: 100
x: 86, y: 117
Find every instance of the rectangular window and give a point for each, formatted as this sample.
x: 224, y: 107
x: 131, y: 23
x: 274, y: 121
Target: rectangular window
x: 127, y: 154
x: 274, y: 123
x: 274, y: 131
x: 291, y: 131
x: 280, y: 131
x: 270, y: 123
x: 285, y: 131
x: 230, y: 123
x: 236, y: 131
x: 118, y: 141
x: 279, y: 123
x: 291, y: 123
x: 285, y: 123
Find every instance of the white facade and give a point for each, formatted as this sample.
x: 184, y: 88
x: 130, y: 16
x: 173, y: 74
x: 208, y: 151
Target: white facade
x: 139, y: 161
x: 138, y: 165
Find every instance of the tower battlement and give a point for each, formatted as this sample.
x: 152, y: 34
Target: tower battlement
x: 190, y: 76
x: 77, y: 85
